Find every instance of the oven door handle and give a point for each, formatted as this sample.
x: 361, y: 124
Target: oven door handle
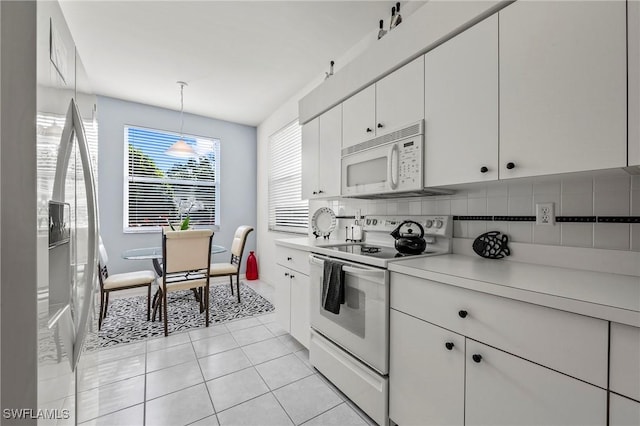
x: 363, y: 272
x: 315, y: 260
x: 349, y: 269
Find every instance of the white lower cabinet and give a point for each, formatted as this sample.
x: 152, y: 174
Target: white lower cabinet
x: 292, y: 293
x: 426, y: 378
x: 462, y: 357
x: 300, y: 324
x: 623, y: 411
x: 502, y: 389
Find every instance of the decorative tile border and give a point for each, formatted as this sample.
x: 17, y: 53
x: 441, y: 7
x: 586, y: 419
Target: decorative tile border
x: 562, y: 219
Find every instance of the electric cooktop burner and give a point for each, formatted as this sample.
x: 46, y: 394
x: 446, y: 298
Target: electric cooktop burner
x: 370, y: 249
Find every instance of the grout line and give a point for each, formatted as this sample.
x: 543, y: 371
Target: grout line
x: 204, y: 381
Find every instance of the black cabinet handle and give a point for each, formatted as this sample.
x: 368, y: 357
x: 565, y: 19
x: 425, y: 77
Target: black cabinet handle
x: 483, y: 169
x: 286, y: 274
x: 510, y: 166
x: 477, y: 357
x: 292, y: 276
x: 463, y: 314
x: 315, y: 192
x: 321, y: 192
x: 289, y: 258
x: 449, y: 345
x: 380, y: 126
x: 369, y: 130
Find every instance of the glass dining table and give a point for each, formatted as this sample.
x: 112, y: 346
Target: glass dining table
x: 155, y: 255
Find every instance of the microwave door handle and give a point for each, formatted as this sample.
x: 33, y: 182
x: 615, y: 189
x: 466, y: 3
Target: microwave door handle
x: 393, y: 152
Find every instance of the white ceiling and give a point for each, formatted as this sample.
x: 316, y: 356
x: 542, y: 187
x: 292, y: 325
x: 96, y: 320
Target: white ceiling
x: 241, y: 59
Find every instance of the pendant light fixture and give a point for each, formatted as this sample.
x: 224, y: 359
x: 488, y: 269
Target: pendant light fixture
x: 181, y: 148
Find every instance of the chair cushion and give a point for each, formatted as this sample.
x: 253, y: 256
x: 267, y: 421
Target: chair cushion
x: 182, y: 285
x: 221, y: 269
x: 129, y: 279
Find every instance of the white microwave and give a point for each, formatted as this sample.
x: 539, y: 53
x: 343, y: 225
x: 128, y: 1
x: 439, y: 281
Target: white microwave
x: 390, y: 165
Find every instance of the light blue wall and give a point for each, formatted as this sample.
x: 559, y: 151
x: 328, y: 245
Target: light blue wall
x: 237, y: 175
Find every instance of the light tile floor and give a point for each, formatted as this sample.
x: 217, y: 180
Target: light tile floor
x: 245, y: 372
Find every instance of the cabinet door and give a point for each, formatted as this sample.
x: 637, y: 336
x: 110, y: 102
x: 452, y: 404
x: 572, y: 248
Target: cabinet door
x: 300, y: 309
x: 330, y: 146
x: 624, y: 365
x: 426, y: 379
x: 502, y: 389
x: 633, y: 19
x: 358, y: 117
x: 400, y: 97
x: 309, y: 164
x: 461, y: 107
x: 562, y: 87
x: 623, y: 411
x: 283, y: 297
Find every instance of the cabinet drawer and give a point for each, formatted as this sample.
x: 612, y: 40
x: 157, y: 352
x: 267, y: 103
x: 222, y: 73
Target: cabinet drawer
x: 501, y: 389
x: 297, y: 260
x: 625, y: 360
x: 572, y: 344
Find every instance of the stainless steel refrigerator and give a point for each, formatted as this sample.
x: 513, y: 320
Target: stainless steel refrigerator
x: 67, y: 215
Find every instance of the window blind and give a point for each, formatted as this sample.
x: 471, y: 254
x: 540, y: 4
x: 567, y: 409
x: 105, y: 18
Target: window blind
x: 287, y: 211
x: 160, y: 188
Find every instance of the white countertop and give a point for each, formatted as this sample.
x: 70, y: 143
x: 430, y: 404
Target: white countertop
x: 612, y: 297
x: 305, y: 243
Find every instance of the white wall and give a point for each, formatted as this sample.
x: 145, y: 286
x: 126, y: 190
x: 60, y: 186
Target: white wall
x: 237, y: 175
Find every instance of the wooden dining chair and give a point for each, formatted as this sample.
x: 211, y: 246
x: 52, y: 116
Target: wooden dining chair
x: 186, y: 258
x: 233, y: 267
x: 124, y: 281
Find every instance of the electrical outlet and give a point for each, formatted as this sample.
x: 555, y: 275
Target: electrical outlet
x: 545, y: 214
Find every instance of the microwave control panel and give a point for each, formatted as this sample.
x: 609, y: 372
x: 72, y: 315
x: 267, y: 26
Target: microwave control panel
x: 410, y: 163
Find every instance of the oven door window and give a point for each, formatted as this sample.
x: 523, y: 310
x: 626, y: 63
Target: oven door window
x: 352, y: 312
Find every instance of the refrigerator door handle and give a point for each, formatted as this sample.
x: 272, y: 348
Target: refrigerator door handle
x: 73, y: 126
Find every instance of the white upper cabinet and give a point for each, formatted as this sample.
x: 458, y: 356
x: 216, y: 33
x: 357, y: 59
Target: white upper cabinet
x: 563, y: 94
x: 400, y: 97
x: 359, y: 117
x: 329, y: 155
x: 392, y: 102
x: 633, y: 16
x: 461, y: 107
x: 310, y: 163
x: 321, y: 145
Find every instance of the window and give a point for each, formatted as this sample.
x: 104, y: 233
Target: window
x: 161, y: 188
x: 287, y: 211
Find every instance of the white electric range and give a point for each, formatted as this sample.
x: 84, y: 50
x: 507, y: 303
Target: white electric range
x: 351, y: 348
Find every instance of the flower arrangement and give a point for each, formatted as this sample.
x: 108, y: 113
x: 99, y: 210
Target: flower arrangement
x: 184, y: 207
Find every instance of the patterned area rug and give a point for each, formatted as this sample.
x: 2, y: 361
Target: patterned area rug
x: 126, y: 319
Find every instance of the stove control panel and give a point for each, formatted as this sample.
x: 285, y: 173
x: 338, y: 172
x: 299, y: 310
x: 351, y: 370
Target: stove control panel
x: 436, y: 225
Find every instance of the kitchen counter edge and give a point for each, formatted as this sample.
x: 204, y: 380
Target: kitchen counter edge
x: 607, y: 296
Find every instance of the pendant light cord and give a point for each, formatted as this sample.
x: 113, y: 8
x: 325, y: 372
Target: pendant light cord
x: 182, y: 84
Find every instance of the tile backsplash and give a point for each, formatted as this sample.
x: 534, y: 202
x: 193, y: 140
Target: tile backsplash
x: 616, y: 194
